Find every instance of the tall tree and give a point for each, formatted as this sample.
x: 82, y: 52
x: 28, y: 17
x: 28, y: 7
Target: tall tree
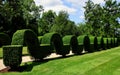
x: 46, y: 22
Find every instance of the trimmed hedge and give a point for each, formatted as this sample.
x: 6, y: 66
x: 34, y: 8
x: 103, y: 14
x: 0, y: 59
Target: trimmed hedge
x: 84, y: 42
x: 40, y: 39
x: 92, y: 43
x: 12, y: 55
x: 95, y: 44
x: 101, y: 44
x: 4, y: 39
x: 72, y: 41
x: 55, y: 41
x: 28, y: 37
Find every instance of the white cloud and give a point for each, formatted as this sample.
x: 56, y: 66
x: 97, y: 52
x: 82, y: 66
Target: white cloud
x: 55, y: 5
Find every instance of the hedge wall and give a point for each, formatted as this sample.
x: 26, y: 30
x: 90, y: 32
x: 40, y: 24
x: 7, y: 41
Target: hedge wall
x: 4, y: 39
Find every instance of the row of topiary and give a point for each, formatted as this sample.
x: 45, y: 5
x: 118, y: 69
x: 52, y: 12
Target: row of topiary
x: 42, y: 46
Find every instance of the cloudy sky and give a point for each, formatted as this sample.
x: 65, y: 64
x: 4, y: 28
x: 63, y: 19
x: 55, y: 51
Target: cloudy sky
x: 73, y: 7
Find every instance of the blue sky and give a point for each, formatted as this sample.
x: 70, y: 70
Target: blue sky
x: 73, y: 7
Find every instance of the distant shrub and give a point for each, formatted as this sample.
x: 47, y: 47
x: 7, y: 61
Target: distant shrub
x: 55, y: 41
x: 92, y: 43
x: 4, y: 39
x: 101, y: 44
x: 28, y: 37
x: 112, y: 43
x: 73, y: 42
x: 12, y: 55
x: 95, y: 44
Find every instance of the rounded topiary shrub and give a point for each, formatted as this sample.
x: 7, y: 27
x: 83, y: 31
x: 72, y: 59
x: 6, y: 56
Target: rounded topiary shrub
x: 87, y: 44
x: 112, y: 43
x: 72, y: 41
x: 40, y: 39
x: 28, y: 37
x: 55, y: 41
x: 84, y: 42
x: 95, y: 44
x: 101, y: 45
x: 12, y: 55
x: 4, y: 39
x: 92, y: 45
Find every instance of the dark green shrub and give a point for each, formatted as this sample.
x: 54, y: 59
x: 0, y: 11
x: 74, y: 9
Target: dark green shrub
x: 101, y: 45
x: 105, y: 43
x: 95, y: 44
x: 112, y: 43
x: 28, y: 37
x: 118, y: 41
x: 92, y: 45
x: 72, y: 41
x: 65, y: 50
x: 40, y: 39
x: 12, y: 55
x: 55, y: 41
x: 4, y: 39
x: 85, y: 42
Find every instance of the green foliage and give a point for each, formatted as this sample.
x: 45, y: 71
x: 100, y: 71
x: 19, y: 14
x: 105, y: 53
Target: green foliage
x: 63, y: 25
x: 46, y: 22
x: 101, y: 44
x: 93, y: 43
x: 29, y: 38
x: 96, y: 43
x: 40, y: 39
x: 54, y: 40
x: 85, y: 42
x: 4, y: 39
x: 102, y: 19
x: 72, y: 41
x: 12, y: 55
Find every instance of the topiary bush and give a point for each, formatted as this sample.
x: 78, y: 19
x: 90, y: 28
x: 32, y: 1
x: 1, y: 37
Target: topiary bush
x: 55, y: 41
x: 28, y: 37
x: 101, y: 44
x: 95, y: 44
x: 4, y: 39
x: 112, y: 43
x: 72, y: 41
x: 40, y: 39
x: 92, y: 43
x: 12, y: 55
x: 84, y: 42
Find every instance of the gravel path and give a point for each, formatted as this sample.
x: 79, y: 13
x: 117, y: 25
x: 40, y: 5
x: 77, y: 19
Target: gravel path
x: 27, y: 59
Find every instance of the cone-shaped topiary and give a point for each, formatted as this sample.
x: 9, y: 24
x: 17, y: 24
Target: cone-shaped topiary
x: 4, y: 39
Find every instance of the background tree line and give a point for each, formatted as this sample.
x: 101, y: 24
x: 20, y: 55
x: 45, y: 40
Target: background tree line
x: 24, y: 14
x: 102, y: 19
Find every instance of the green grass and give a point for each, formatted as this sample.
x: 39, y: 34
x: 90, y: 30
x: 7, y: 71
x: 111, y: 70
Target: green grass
x: 24, y: 52
x: 105, y: 62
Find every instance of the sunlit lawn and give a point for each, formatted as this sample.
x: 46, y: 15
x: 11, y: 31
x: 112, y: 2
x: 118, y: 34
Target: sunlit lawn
x: 106, y: 62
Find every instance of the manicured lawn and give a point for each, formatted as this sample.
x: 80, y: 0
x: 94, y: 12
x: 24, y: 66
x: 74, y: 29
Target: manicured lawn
x: 25, y: 52
x: 106, y: 62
